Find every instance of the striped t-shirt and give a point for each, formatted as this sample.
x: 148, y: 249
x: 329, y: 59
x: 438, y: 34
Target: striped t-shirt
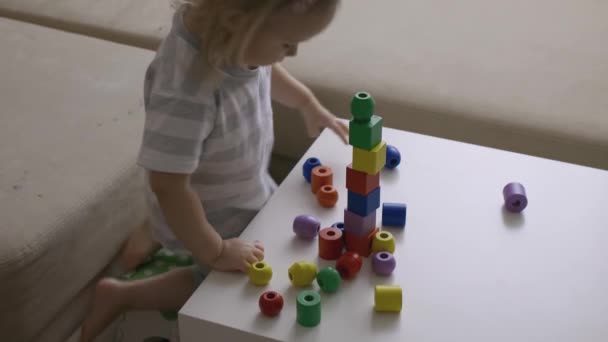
x: 219, y: 130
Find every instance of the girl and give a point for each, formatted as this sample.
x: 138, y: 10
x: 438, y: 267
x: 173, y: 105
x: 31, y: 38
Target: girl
x: 208, y: 139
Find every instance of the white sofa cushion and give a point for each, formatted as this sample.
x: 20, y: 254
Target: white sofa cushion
x: 518, y: 75
x: 70, y: 191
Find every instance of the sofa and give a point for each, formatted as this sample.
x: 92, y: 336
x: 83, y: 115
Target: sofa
x: 529, y: 77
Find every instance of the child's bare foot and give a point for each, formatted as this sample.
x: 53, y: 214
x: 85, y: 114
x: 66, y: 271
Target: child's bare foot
x: 108, y: 303
x: 138, y: 247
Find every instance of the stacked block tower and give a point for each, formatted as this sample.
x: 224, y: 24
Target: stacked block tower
x: 363, y: 174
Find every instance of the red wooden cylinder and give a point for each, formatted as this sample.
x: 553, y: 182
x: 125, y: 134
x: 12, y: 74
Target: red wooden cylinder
x: 330, y: 243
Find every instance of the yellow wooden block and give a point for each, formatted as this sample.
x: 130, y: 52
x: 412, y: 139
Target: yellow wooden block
x: 260, y: 273
x: 302, y: 273
x: 388, y: 298
x: 370, y: 162
x: 383, y: 241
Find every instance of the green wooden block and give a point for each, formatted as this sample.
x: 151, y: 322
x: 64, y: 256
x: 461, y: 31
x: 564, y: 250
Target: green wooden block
x: 362, y: 106
x: 365, y: 135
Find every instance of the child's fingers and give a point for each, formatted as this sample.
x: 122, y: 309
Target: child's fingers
x: 258, y: 244
x: 252, y: 258
x: 341, y: 130
x: 259, y: 254
x: 344, y: 128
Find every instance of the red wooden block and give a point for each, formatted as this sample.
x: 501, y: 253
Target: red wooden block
x: 361, y: 182
x: 330, y: 243
x: 361, y: 245
x: 321, y: 176
x: 271, y: 303
x: 349, y: 264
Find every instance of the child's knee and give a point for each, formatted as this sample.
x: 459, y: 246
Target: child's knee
x: 138, y: 247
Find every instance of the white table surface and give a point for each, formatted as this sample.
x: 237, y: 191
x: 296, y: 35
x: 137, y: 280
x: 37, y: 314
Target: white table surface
x: 469, y: 270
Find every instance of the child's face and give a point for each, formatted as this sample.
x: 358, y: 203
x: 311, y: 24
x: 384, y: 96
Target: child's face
x: 280, y: 36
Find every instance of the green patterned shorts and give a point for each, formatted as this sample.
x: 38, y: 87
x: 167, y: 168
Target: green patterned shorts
x: 163, y: 261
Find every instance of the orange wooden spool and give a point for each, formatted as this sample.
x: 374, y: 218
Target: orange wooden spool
x: 327, y: 196
x: 321, y: 176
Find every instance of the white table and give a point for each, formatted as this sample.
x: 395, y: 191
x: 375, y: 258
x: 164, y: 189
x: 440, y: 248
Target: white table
x: 470, y: 271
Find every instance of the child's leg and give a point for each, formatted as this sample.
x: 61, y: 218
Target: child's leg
x: 167, y: 291
x: 137, y: 248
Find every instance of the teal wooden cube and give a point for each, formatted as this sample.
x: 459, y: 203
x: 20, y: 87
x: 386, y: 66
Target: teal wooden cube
x: 365, y: 135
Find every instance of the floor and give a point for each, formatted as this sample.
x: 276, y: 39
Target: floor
x: 137, y: 327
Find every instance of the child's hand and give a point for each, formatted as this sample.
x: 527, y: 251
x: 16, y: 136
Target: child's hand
x: 318, y: 117
x: 238, y: 254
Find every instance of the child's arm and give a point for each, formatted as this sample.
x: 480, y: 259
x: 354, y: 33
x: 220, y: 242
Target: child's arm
x: 287, y: 90
x: 185, y: 215
x: 290, y: 92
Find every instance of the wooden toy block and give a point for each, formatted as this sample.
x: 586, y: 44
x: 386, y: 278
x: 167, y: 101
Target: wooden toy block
x: 383, y: 241
x: 260, y: 273
x: 329, y: 279
x: 383, y: 263
x: 393, y: 214
x: 321, y: 176
x: 364, y: 205
x: 361, y: 182
x: 306, y: 226
x: 327, y: 196
x: 308, y: 308
x: 361, y: 245
x: 349, y: 264
x: 362, y: 106
x: 330, y: 243
x: 515, y: 197
x: 393, y: 157
x: 339, y: 225
x: 388, y: 298
x: 371, y: 161
x: 302, y: 273
x: 310, y: 164
x: 357, y: 224
x: 271, y: 303
x: 365, y: 135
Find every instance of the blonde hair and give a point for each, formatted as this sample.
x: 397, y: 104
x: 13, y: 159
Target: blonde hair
x: 227, y: 26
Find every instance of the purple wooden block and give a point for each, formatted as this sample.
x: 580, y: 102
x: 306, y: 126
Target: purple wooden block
x: 515, y: 197
x: 306, y: 226
x: 383, y: 263
x: 359, y: 225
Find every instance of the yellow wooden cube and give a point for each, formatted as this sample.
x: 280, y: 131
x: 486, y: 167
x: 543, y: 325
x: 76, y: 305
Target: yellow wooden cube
x: 388, y: 298
x: 370, y: 162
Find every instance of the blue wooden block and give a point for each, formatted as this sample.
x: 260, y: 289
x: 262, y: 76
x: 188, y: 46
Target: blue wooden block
x: 393, y: 157
x: 393, y: 214
x: 363, y: 205
x: 310, y: 164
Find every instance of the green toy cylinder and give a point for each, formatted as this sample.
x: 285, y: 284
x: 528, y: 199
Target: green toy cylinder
x: 362, y: 106
x: 308, y: 308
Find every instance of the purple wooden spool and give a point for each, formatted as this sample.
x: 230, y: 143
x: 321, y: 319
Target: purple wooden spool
x: 383, y: 263
x: 306, y: 226
x: 515, y: 197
